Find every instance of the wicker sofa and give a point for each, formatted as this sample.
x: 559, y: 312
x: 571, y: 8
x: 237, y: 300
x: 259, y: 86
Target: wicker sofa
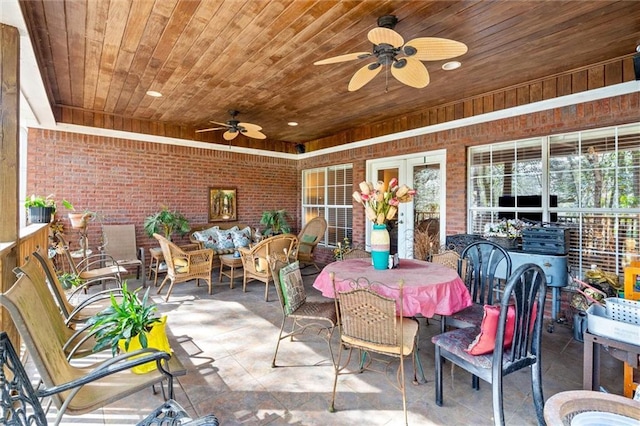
x: 223, y: 238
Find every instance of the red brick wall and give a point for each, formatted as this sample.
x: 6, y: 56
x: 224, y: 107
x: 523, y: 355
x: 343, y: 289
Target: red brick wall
x: 125, y: 181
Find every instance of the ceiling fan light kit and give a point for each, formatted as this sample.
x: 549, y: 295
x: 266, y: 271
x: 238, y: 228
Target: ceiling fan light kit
x: 234, y: 127
x: 388, y: 45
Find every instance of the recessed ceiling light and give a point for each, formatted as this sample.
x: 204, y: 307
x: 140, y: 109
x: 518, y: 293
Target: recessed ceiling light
x: 451, y: 65
x: 154, y: 94
x: 292, y: 123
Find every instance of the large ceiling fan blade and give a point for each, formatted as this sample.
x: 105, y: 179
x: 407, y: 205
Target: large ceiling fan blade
x: 226, y: 125
x: 343, y: 58
x: 210, y: 129
x: 250, y: 126
x: 230, y: 135
x: 411, y: 72
x: 255, y: 134
x: 434, y: 48
x: 363, y: 76
x: 381, y: 35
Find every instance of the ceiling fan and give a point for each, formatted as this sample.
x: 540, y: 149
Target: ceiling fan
x: 234, y: 127
x: 388, y: 45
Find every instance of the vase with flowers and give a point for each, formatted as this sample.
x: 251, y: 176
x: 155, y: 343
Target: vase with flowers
x: 380, y: 202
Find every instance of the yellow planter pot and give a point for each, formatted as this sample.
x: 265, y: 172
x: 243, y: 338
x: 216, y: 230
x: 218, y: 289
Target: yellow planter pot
x: 156, y: 338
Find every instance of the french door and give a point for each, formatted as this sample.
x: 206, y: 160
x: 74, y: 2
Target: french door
x: 420, y: 224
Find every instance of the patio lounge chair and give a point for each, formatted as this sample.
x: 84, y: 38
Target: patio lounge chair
x: 21, y: 402
x: 119, y: 242
x: 77, y: 390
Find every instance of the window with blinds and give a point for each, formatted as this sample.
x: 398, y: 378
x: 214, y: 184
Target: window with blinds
x: 587, y: 180
x: 327, y: 192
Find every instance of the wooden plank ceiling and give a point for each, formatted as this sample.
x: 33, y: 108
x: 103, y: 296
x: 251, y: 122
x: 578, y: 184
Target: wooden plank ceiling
x: 98, y: 58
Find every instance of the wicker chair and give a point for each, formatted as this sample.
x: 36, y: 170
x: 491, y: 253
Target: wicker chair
x: 254, y: 259
x: 371, y: 323
x: 451, y: 259
x: 356, y: 253
x: 183, y: 266
x: 308, y: 240
x: 320, y: 317
x: 119, y: 242
x: 75, y: 390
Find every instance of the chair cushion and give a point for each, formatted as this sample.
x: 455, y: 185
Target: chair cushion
x: 182, y: 265
x: 409, y: 330
x: 292, y: 287
x: 307, y: 239
x: 457, y: 342
x: 486, y: 339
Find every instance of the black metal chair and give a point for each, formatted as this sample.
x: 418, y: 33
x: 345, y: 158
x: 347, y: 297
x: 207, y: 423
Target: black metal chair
x: 526, y: 291
x: 482, y: 261
x: 20, y: 403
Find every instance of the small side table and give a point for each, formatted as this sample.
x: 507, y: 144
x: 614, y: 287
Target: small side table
x: 154, y: 263
x: 232, y: 263
x: 625, y: 352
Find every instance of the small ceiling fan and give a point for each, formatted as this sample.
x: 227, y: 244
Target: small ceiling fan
x: 388, y: 46
x: 234, y: 127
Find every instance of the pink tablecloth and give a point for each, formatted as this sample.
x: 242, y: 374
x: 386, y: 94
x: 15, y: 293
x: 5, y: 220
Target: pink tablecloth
x: 429, y: 288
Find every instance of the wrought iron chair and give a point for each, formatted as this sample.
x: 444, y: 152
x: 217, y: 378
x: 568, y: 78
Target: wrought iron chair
x: 20, y: 402
x: 308, y: 240
x: 254, y: 259
x: 76, y: 390
x: 317, y: 316
x: 524, y: 295
x: 119, y: 242
x: 373, y: 324
x: 184, y: 265
x: 356, y: 253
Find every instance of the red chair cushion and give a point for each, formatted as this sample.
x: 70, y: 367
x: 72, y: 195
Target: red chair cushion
x: 485, y: 341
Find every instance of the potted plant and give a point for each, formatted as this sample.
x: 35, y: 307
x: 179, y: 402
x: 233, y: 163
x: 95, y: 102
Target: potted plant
x: 275, y: 222
x: 166, y: 222
x: 69, y: 280
x: 41, y: 209
x: 130, y: 324
x: 78, y: 220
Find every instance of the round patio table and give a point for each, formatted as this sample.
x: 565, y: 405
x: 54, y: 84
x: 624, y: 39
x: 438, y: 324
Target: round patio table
x: 429, y: 288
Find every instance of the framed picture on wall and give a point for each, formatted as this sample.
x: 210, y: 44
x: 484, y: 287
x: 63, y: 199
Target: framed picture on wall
x: 222, y: 204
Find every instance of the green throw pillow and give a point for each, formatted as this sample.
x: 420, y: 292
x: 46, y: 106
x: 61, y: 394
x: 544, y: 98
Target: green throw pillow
x: 307, y: 239
x: 292, y: 287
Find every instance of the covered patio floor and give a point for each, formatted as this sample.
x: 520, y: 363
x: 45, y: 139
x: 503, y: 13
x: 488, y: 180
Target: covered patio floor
x: 226, y: 341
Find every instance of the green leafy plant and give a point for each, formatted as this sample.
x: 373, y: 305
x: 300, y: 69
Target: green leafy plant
x: 275, y: 222
x: 40, y: 201
x: 166, y: 222
x: 126, y: 318
x: 68, y: 280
